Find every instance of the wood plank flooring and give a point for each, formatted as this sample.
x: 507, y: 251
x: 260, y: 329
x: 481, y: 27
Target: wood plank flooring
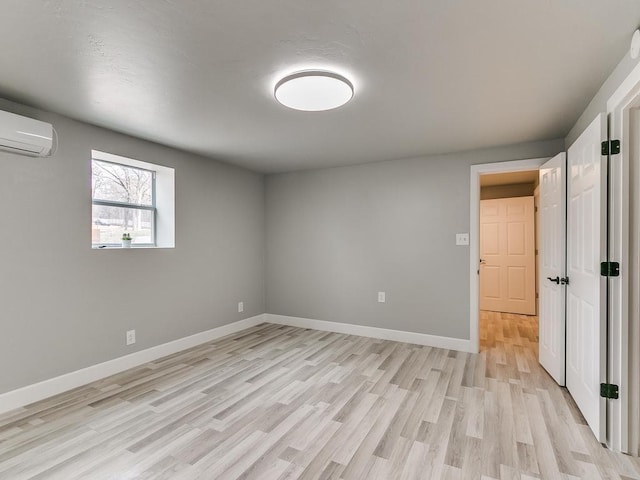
x: 276, y: 402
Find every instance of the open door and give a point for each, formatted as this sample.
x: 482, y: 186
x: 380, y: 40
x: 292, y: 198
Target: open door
x: 552, y: 252
x: 586, y: 293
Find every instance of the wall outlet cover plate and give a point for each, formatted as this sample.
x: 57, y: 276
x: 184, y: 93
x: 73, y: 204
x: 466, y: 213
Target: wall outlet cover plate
x: 462, y: 239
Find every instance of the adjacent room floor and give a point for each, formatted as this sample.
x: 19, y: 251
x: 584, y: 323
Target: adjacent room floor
x: 277, y: 402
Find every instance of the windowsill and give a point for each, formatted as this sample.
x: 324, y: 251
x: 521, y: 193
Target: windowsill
x: 132, y: 247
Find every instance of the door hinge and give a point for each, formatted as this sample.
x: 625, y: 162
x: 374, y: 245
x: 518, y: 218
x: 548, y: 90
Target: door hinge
x: 610, y: 147
x: 608, y: 390
x: 610, y: 269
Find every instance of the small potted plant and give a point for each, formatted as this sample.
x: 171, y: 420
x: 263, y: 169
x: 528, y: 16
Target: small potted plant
x: 126, y: 240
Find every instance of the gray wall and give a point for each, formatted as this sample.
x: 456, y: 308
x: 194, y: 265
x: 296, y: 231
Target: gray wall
x: 337, y: 236
x: 64, y: 306
x: 507, y: 191
x: 334, y: 237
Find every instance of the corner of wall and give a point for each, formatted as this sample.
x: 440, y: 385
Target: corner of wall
x: 598, y: 103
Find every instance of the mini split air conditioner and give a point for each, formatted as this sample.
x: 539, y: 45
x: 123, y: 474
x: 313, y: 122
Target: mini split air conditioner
x: 25, y: 136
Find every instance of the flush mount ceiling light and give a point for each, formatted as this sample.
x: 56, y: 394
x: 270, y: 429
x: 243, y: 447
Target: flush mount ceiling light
x: 313, y: 90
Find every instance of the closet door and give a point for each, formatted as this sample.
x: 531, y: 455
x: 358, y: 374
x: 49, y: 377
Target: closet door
x: 586, y: 292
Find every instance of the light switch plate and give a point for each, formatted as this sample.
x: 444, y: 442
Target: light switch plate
x: 462, y: 239
x: 382, y: 297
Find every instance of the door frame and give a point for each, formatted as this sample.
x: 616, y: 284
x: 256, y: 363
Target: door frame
x: 623, y: 415
x: 474, y: 234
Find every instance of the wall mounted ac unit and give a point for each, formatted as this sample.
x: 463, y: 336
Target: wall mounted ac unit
x: 25, y: 136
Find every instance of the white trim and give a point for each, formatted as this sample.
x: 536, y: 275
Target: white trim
x: 448, y: 343
x: 631, y: 296
x: 53, y: 386
x: 474, y: 234
x: 622, y: 92
x: 622, y: 414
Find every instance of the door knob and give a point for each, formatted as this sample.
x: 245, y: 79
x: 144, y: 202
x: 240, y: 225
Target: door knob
x: 483, y: 261
x: 554, y: 280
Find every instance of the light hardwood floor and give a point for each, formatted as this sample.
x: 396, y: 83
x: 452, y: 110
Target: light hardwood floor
x: 277, y: 402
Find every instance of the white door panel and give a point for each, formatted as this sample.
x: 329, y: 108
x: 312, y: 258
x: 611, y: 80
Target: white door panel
x: 552, y: 266
x: 586, y: 248
x: 507, y: 250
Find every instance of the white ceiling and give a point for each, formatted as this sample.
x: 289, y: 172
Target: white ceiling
x: 430, y: 76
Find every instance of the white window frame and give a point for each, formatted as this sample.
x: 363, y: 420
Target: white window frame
x: 163, y: 204
x: 149, y: 208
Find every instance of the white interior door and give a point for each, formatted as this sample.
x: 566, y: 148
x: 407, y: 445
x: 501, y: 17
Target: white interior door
x: 507, y: 253
x: 586, y: 248
x: 551, y: 252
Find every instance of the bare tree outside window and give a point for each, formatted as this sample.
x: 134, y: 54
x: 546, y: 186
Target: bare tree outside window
x: 123, y: 201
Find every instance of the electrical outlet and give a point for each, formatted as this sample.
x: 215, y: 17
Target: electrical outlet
x: 131, y: 337
x: 382, y: 297
x: 240, y: 306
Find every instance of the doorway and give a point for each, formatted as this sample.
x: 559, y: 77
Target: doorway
x: 623, y: 415
x: 511, y: 172
x: 508, y: 247
x: 508, y: 268
x: 578, y: 349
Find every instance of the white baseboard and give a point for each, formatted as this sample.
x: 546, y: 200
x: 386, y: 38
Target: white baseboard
x: 374, y: 332
x: 53, y: 386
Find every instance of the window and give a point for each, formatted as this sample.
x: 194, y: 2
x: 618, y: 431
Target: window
x: 130, y: 197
